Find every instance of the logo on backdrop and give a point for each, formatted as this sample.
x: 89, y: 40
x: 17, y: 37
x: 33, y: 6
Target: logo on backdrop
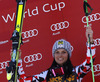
x: 4, y: 42
x: 26, y: 34
x: 46, y: 8
x: 97, y: 42
x: 3, y: 65
x: 30, y: 33
x: 96, y: 69
x: 31, y: 58
x: 59, y: 26
x: 92, y: 17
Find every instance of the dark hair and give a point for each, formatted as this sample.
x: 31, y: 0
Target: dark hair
x: 67, y: 66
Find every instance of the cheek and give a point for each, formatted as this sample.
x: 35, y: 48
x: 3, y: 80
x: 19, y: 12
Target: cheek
x: 65, y: 56
x: 55, y: 57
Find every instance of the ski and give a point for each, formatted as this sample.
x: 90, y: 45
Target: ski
x: 12, y: 69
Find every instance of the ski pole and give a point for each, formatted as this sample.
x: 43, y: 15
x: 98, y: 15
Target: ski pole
x: 86, y: 13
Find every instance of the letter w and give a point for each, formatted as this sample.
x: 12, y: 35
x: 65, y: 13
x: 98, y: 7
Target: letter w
x: 8, y: 16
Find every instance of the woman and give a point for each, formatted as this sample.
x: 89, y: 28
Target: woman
x: 62, y: 69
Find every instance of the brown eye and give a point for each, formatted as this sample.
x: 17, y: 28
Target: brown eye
x: 57, y: 52
x: 64, y: 52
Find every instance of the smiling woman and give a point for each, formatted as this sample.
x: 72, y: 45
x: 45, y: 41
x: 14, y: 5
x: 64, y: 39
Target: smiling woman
x: 61, y: 51
x: 61, y: 56
x: 62, y: 69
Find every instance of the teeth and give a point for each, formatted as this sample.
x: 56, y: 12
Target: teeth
x: 60, y: 59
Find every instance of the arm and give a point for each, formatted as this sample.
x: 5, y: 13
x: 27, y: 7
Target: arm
x: 85, y: 67
x: 36, y: 78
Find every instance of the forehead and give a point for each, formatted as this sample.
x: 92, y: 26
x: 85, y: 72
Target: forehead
x: 61, y: 49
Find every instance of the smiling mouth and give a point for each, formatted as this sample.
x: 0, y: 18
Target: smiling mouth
x: 60, y: 59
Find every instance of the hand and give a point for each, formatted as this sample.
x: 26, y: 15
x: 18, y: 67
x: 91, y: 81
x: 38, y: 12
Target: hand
x: 89, y: 32
x: 19, y: 53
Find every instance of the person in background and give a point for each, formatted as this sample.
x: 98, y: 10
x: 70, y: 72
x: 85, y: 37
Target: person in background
x: 62, y: 69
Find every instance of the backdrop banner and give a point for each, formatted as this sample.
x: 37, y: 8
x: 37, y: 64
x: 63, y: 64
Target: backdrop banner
x: 46, y: 21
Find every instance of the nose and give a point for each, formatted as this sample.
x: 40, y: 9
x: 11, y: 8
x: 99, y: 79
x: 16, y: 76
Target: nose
x: 60, y: 54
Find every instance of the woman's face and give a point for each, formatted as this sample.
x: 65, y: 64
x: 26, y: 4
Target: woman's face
x: 61, y: 56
